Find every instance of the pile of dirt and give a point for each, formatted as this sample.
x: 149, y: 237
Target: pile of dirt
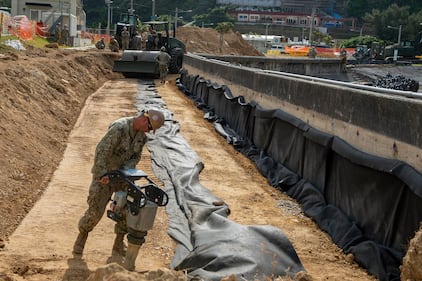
x: 411, y: 268
x: 43, y: 92
x: 207, y: 40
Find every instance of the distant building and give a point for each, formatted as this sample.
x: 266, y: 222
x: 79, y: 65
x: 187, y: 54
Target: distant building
x: 251, y: 3
x: 299, y: 13
x: 327, y: 7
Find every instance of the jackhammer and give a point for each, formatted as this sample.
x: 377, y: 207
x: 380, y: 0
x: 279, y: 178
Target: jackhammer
x: 136, y: 208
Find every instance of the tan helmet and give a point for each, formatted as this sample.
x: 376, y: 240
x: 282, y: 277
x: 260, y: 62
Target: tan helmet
x: 156, y: 118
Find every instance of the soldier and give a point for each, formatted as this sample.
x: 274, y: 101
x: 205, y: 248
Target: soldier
x: 312, y: 53
x: 163, y: 60
x: 100, y: 44
x: 114, y: 45
x: 120, y: 148
x: 64, y: 38
x: 125, y: 38
x: 343, y: 56
x: 57, y: 33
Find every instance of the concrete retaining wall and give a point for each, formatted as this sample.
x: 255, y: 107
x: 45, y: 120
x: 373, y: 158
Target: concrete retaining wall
x: 306, y: 66
x: 378, y: 123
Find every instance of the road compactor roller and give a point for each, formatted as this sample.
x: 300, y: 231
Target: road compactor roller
x: 139, y: 59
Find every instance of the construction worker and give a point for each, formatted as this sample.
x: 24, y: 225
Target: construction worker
x: 64, y: 38
x: 125, y: 38
x: 57, y: 33
x: 343, y: 56
x: 163, y: 60
x: 100, y: 44
x: 312, y: 53
x: 114, y: 44
x: 120, y: 148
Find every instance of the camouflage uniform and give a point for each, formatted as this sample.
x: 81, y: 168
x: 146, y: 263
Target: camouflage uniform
x: 125, y: 39
x: 114, y: 45
x: 163, y: 60
x: 120, y: 148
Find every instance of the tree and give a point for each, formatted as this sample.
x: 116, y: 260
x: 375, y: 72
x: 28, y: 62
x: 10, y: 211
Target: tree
x: 393, y: 16
x: 223, y: 28
x: 213, y: 17
x: 358, y: 8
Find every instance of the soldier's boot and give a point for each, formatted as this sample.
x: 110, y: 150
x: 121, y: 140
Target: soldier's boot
x: 119, y: 246
x: 131, y: 255
x: 79, y: 245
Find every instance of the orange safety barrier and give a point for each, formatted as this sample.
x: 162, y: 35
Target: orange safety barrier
x: 300, y: 50
x: 297, y: 50
x: 41, y: 30
x: 22, y: 27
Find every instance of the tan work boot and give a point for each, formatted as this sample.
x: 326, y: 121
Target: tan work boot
x: 79, y: 245
x: 131, y: 255
x: 119, y: 247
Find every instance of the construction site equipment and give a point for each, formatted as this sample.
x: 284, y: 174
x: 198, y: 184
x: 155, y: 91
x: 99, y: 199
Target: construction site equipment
x: 137, y: 207
x: 381, y: 53
x: 137, y: 61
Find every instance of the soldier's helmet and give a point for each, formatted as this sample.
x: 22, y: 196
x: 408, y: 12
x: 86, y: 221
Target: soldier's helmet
x: 156, y: 118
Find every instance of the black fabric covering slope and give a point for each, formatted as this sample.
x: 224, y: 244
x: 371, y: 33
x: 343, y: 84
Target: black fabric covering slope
x: 209, y: 244
x: 370, y: 206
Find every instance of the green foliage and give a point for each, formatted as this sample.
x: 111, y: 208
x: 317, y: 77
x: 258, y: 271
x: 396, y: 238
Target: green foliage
x: 358, y: 8
x: 361, y: 40
x: 4, y: 48
x: 37, y: 42
x: 224, y: 27
x: 319, y: 37
x: 386, y: 23
x: 213, y: 17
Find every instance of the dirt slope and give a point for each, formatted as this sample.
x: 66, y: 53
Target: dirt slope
x: 207, y: 40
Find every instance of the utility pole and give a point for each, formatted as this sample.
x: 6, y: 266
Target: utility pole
x: 153, y: 10
x: 131, y: 10
x: 310, y: 28
x: 108, y: 2
x: 176, y: 15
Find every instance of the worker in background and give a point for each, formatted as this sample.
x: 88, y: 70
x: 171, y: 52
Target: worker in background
x: 312, y: 53
x: 57, y: 33
x: 125, y: 38
x: 152, y: 35
x: 137, y: 41
x: 163, y: 60
x: 343, y: 56
x: 65, y: 35
x: 100, y: 45
x: 114, y: 45
x: 120, y: 148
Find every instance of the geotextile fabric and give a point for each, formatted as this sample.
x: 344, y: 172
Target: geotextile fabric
x: 370, y: 206
x: 210, y: 245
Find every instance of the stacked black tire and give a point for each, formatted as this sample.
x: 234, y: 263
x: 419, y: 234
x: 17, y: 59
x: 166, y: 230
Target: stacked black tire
x: 398, y: 82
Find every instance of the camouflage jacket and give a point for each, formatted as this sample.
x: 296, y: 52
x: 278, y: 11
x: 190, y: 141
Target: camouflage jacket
x: 163, y: 58
x: 120, y: 148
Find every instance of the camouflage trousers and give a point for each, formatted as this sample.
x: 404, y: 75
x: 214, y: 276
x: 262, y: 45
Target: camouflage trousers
x: 98, y: 198
x: 163, y: 71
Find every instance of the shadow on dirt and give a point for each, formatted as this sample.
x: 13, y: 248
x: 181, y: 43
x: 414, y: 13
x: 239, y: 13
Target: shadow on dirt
x: 77, y: 270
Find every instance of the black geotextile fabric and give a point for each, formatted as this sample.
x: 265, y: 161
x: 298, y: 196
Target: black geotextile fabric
x: 210, y: 245
x: 370, y: 206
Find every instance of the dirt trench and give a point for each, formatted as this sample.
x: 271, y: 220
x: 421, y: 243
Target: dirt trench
x: 40, y: 248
